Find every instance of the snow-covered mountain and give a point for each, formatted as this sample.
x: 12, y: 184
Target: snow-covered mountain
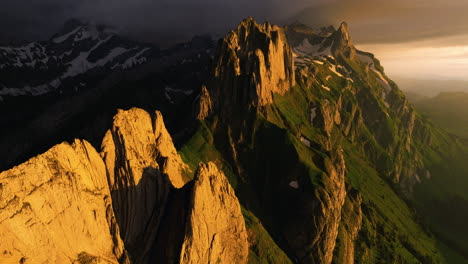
x: 78, y: 54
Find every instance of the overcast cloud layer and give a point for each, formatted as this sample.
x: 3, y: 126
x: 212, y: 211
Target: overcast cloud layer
x: 413, y: 38
x: 39, y: 19
x: 371, y: 21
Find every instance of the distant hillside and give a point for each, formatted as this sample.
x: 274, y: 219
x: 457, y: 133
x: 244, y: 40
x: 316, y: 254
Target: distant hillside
x: 430, y: 88
x: 448, y: 109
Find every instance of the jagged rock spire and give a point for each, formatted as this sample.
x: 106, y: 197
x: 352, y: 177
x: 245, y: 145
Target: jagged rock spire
x: 253, y: 62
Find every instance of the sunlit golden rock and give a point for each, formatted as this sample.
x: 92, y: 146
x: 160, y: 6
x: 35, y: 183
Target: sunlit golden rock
x: 215, y: 230
x: 57, y: 208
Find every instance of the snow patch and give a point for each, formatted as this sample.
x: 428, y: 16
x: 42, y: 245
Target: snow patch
x: 305, y: 141
x: 326, y: 88
x: 333, y: 69
x: 61, y: 39
x: 366, y: 59
x: 418, y: 179
x: 81, y: 64
x: 135, y: 60
x: 313, y: 114
x: 31, y: 90
x: 307, y: 49
x: 428, y: 175
x: 86, y: 33
x: 294, y: 184
x: 317, y: 62
x: 384, y: 81
x: 28, y: 55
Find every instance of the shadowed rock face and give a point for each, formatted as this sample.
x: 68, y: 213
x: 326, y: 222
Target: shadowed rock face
x: 143, y: 166
x: 312, y: 231
x: 253, y: 62
x: 57, y: 208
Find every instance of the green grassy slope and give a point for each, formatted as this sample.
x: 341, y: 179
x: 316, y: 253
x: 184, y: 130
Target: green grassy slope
x: 410, y: 174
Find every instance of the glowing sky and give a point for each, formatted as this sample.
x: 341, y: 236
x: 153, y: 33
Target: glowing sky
x: 414, y: 39
x: 411, y: 60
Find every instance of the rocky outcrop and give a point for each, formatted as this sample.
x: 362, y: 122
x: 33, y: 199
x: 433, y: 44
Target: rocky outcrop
x: 252, y: 63
x: 312, y: 223
x: 350, y: 226
x: 315, y: 241
x: 342, y: 43
x: 205, y: 105
x: 215, y: 231
x: 74, y: 205
x: 143, y: 166
x: 57, y: 208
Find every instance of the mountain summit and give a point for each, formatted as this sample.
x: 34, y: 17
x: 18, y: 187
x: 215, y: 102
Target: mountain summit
x: 253, y: 62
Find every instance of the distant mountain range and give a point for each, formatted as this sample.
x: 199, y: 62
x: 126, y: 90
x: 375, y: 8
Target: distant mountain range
x: 271, y: 145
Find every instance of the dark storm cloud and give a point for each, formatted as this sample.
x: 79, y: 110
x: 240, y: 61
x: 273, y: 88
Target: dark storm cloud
x: 39, y: 19
x: 32, y: 19
x: 371, y: 21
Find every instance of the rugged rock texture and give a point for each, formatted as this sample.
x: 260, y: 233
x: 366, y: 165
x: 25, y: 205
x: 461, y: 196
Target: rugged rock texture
x: 350, y: 226
x: 143, y: 165
x: 253, y: 62
x: 315, y: 240
x: 215, y: 230
x: 342, y: 43
x: 375, y: 107
x: 57, y: 208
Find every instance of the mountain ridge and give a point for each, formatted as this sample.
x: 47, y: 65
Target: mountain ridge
x: 314, y: 156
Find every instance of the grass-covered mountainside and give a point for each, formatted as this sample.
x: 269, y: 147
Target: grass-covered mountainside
x: 329, y: 160
x: 448, y: 110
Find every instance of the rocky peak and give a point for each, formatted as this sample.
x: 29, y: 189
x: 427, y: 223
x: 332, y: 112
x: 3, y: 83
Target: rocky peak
x: 253, y: 62
x: 215, y: 230
x: 143, y: 141
x: 342, y: 43
x: 142, y: 166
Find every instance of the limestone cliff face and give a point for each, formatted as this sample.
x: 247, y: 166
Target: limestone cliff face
x: 57, y: 208
x: 350, y: 226
x: 74, y: 205
x: 215, y: 231
x: 252, y: 63
x: 143, y: 166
